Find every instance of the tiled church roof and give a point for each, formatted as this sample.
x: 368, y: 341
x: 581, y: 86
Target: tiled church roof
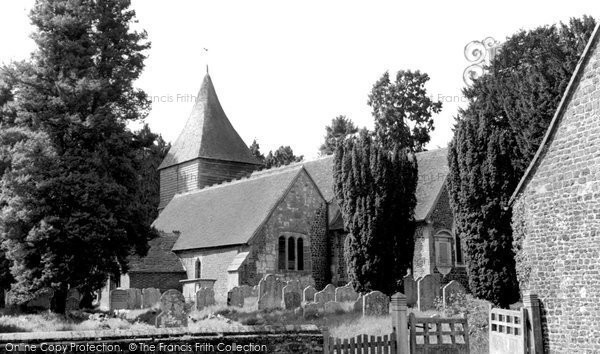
x: 226, y: 214
x: 208, y: 133
x: 159, y: 259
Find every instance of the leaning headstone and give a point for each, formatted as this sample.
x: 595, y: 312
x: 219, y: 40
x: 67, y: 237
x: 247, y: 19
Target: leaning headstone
x: 451, y: 289
x: 358, y: 304
x: 119, y: 299
x: 410, y: 290
x: 428, y: 288
x: 332, y: 307
x: 173, y: 314
x: 72, y: 304
x: 308, y: 295
x: 135, y: 299
x: 204, y: 297
x: 312, y: 309
x: 235, y: 297
x: 346, y: 293
x: 325, y: 295
x: 270, y: 290
x: 150, y: 297
x: 376, y: 303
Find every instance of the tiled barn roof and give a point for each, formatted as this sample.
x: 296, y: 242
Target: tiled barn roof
x: 160, y: 258
x: 226, y: 214
x: 208, y: 133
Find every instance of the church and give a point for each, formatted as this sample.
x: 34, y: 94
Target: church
x: 224, y: 222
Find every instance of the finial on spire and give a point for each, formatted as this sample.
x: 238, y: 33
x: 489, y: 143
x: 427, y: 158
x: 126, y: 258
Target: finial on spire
x: 205, y: 51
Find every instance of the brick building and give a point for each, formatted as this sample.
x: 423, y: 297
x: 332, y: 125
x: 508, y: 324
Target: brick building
x: 233, y: 223
x: 556, y: 216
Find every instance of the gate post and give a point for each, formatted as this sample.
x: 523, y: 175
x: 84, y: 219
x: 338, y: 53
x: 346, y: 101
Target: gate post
x: 399, y: 322
x: 534, y: 319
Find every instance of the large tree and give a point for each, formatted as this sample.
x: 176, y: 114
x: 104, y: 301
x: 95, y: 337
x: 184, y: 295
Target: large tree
x: 495, y: 138
x: 284, y: 155
x: 375, y: 188
x: 72, y: 212
x: 340, y: 128
x: 402, y: 110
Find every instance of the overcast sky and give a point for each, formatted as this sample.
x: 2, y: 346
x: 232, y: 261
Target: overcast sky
x: 284, y: 69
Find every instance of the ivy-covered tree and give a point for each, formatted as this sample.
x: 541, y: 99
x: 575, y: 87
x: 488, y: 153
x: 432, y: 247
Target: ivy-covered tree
x: 375, y: 188
x: 340, y: 128
x: 402, y: 110
x: 496, y: 137
x: 71, y: 190
x: 284, y: 155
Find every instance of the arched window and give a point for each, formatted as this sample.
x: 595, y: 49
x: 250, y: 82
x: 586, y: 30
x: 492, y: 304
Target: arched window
x: 300, y: 249
x: 281, y: 259
x: 198, y: 269
x: 443, y: 249
x: 291, y: 254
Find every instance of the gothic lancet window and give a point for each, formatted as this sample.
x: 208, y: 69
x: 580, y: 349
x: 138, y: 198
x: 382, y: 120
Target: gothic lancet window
x: 300, y: 249
x: 281, y: 258
x: 291, y: 254
x: 198, y: 272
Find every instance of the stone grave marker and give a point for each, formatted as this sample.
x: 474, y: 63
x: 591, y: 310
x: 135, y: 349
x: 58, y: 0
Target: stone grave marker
x: 325, y: 295
x: 270, y: 291
x: 358, y: 304
x: 73, y: 292
x: 292, y: 300
x: 72, y: 304
x: 172, y: 305
x: 376, y: 303
x: 150, y: 297
x: 43, y: 300
x: 410, y: 290
x: 235, y: 297
x: 312, y: 309
x: 135, y: 299
x: 119, y: 299
x: 204, y: 297
x: 450, y: 289
x: 428, y: 288
x: 308, y: 295
x: 345, y: 293
x: 247, y: 291
x: 332, y: 307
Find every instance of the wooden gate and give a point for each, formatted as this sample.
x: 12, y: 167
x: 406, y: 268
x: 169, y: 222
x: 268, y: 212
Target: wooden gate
x: 438, y: 335
x: 508, y: 333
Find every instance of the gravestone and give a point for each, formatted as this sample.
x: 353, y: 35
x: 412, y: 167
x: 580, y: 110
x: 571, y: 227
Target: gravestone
x: 325, y: 295
x: 450, y: 289
x: 119, y: 299
x: 312, y: 309
x: 135, y: 299
x: 292, y: 300
x: 247, y: 291
x: 270, y: 291
x: 204, y: 297
x: 410, y: 290
x: 345, y: 293
x: 73, y: 292
x: 150, y: 297
x: 358, y: 304
x: 72, y: 304
x: 308, y: 295
x: 428, y: 288
x: 332, y: 307
x: 376, y: 303
x: 43, y: 300
x: 173, y: 314
x: 235, y: 297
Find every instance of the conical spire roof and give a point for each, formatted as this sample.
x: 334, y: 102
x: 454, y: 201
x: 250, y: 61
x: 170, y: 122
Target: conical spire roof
x: 208, y: 133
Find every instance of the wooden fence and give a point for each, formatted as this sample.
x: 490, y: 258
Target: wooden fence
x: 438, y: 335
x: 362, y: 344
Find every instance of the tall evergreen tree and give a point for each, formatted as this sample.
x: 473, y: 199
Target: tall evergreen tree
x: 403, y: 110
x: 496, y: 137
x: 340, y: 128
x: 255, y: 150
x: 72, y: 212
x: 375, y: 188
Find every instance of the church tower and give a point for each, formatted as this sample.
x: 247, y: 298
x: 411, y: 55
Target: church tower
x: 208, y: 150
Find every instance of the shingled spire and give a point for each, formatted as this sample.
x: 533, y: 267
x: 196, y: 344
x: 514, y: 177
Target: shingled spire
x: 207, y: 151
x: 208, y: 133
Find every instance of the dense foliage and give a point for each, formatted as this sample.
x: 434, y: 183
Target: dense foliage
x: 73, y: 209
x: 340, y: 128
x: 375, y: 188
x: 284, y: 155
x: 495, y: 138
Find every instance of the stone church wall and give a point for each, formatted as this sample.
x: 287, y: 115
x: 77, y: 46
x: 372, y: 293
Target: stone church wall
x: 556, y: 223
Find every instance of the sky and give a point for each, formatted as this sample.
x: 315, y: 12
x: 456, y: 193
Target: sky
x: 284, y: 69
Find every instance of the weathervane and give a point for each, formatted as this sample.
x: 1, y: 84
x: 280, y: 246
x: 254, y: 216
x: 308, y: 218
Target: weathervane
x: 204, y: 51
x: 479, y: 54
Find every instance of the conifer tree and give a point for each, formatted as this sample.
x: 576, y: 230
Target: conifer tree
x: 72, y: 212
x: 340, y: 128
x: 496, y: 137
